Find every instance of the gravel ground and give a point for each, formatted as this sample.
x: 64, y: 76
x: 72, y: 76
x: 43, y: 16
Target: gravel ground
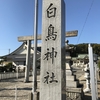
x: 7, y: 89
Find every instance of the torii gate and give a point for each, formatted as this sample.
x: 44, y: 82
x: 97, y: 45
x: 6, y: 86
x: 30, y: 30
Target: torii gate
x: 31, y: 38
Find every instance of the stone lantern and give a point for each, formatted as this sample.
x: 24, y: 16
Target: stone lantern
x: 87, y: 76
x: 70, y: 78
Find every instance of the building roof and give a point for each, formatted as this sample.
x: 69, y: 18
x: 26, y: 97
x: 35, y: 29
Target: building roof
x: 20, y: 53
x: 84, y: 56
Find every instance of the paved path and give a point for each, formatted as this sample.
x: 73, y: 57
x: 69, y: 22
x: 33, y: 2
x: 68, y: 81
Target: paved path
x: 7, y: 89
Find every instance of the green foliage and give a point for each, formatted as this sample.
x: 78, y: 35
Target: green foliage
x: 3, y: 58
x: 9, y: 66
x: 96, y: 48
x: 98, y: 64
x: 83, y: 49
x: 1, y: 61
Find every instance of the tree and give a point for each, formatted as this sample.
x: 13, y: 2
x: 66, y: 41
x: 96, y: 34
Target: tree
x: 9, y: 66
x: 83, y: 49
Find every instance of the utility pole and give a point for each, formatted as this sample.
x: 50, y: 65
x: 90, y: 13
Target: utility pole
x: 8, y: 51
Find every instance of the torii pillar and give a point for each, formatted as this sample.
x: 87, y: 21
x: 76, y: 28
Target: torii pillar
x: 28, y: 39
x: 27, y: 61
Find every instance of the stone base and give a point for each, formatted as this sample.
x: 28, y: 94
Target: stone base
x: 34, y: 96
x: 67, y: 94
x: 74, y: 94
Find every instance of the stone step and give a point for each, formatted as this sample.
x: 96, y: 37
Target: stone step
x: 73, y: 84
x: 68, y: 72
x: 71, y: 78
x: 38, y: 84
x: 38, y: 77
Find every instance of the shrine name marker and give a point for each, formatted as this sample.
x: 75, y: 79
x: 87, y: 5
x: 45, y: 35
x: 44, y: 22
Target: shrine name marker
x: 52, y: 54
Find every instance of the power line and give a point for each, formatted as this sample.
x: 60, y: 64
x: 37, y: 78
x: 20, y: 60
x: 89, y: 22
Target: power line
x: 6, y: 50
x: 3, y: 49
x: 85, y: 21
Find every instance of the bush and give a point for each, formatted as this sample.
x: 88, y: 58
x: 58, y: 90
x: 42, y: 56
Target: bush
x: 9, y: 67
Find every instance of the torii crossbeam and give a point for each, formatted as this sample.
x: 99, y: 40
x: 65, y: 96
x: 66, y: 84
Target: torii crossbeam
x: 67, y: 34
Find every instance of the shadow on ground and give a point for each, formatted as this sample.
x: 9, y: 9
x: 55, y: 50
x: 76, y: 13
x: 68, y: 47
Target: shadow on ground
x: 87, y: 97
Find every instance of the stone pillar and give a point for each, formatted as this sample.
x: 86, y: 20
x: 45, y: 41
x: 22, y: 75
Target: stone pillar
x: 92, y: 74
x: 27, y: 61
x: 68, y: 59
x: 52, y: 79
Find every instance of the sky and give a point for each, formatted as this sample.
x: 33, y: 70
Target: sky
x: 17, y: 19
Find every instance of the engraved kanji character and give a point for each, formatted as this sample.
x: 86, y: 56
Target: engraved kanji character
x: 51, y: 54
x: 47, y: 55
x: 52, y: 78
x: 51, y: 11
x: 46, y: 78
x: 51, y: 33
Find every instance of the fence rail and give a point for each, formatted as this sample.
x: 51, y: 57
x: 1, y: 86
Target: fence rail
x: 12, y: 75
